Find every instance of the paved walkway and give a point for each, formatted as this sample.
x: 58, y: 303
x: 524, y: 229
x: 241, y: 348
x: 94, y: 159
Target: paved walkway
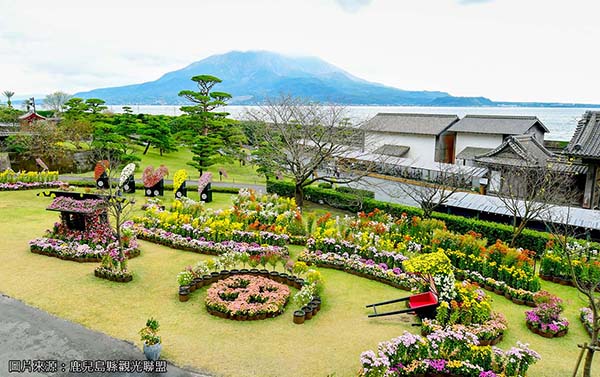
x: 390, y: 191
x: 29, y: 334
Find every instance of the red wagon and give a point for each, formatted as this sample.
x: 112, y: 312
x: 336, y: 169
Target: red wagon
x: 422, y: 304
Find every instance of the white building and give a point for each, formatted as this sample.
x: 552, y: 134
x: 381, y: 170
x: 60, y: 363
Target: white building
x: 422, y: 138
x: 476, y: 133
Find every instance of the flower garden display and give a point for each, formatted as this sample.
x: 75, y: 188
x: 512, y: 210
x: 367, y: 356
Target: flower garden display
x: 452, y: 352
x: 267, y: 219
x: 101, y: 174
x: 554, y: 265
x: 179, y: 183
x: 152, y: 342
x: 204, y: 188
x: 470, y: 311
x: 518, y: 296
x: 23, y: 180
x: 84, y: 234
x: 201, y: 245
x: 545, y: 318
x: 154, y: 180
x: 247, y: 297
x: 126, y: 181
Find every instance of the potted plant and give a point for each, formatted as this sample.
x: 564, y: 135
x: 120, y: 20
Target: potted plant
x: 152, y: 344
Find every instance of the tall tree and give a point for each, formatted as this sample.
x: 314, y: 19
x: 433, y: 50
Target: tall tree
x: 206, y: 126
x: 56, y: 101
x: 75, y: 108
x: 96, y: 105
x: 308, y: 142
x: 8, y: 94
x: 155, y: 131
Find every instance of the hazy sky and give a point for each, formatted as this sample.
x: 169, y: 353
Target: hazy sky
x: 521, y: 50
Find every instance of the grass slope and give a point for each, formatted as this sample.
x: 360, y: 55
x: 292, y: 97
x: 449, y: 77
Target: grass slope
x: 330, y: 343
x: 179, y: 159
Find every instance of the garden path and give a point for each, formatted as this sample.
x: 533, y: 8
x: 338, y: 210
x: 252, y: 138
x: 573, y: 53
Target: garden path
x: 27, y: 333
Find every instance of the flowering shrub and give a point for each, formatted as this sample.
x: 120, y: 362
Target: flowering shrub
x: 30, y: 185
x: 368, y: 267
x: 587, y: 318
x: 241, y: 223
x: 204, y: 246
x: 204, y: 181
x: 67, y: 204
x: 10, y: 176
x: 435, y: 269
x: 179, y: 178
x: 451, y: 351
x: 545, y: 317
x: 126, y: 173
x: 585, y: 260
x: 101, y: 167
x: 247, y: 295
x: 151, y: 177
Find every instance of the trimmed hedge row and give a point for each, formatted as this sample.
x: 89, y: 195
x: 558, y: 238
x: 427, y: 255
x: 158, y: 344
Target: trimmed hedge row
x: 529, y: 239
x: 168, y: 187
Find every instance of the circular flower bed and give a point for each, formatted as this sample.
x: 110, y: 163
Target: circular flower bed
x: 545, y: 318
x: 246, y: 297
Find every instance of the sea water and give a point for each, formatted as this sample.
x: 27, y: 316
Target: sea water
x: 560, y: 121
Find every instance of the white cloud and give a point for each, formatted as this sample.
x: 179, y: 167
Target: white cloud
x: 533, y: 50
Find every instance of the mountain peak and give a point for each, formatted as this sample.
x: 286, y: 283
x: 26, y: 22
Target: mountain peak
x: 252, y: 76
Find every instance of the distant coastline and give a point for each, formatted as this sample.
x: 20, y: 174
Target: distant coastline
x: 561, y: 121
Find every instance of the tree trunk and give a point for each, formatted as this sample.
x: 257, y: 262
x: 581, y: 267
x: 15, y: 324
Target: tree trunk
x: 161, y: 152
x: 147, y: 147
x: 587, y: 367
x: 516, y: 233
x: 299, y: 195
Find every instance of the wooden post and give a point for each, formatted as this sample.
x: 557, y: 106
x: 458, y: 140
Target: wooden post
x: 583, y: 347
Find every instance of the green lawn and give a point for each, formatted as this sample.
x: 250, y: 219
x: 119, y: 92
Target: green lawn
x: 179, y: 159
x: 330, y: 343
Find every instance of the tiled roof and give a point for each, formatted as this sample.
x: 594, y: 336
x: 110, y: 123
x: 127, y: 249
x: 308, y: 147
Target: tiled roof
x: 423, y: 124
x: 523, y: 150
x: 497, y: 124
x: 392, y: 150
x: 470, y: 152
x: 586, y: 140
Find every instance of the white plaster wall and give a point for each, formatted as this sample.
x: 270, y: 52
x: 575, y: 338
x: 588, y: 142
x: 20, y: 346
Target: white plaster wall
x: 422, y: 147
x: 537, y: 131
x: 465, y: 139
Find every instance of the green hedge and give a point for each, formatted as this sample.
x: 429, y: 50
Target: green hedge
x: 168, y: 187
x: 354, y: 191
x: 529, y: 239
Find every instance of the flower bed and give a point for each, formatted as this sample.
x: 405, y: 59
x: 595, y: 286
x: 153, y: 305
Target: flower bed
x: 586, y: 317
x: 14, y: 186
x: 445, y: 353
x: 75, y: 251
x: 367, y: 268
x: 118, y: 276
x: 202, y: 246
x: 469, y: 311
x: 554, y: 265
x: 517, y: 296
x: 246, y: 297
x: 545, y: 318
